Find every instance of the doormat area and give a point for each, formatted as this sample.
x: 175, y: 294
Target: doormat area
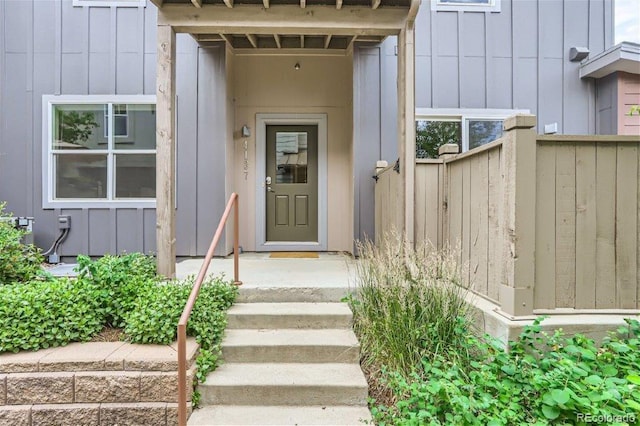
x: 294, y: 255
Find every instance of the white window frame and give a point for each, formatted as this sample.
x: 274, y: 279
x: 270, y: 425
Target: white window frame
x: 492, y: 6
x: 106, y: 118
x: 109, y: 3
x: 48, y: 172
x: 463, y: 116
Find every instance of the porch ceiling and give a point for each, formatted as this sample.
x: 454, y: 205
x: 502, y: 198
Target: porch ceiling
x: 286, y: 24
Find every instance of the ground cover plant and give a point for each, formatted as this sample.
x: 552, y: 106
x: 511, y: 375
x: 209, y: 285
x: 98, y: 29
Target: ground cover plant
x: 443, y: 373
x: 18, y: 262
x: 117, y: 292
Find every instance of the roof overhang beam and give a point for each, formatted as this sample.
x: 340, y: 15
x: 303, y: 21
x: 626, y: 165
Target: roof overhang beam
x: 283, y: 20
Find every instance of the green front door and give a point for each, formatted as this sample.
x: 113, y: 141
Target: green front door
x: 292, y: 183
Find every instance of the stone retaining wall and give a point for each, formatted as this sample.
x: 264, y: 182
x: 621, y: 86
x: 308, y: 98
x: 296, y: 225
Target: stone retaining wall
x: 92, y: 384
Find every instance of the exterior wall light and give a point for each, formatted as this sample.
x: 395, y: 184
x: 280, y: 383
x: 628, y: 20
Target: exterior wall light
x: 296, y: 66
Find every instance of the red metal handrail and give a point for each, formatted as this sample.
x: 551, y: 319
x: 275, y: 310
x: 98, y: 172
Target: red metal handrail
x: 184, y: 318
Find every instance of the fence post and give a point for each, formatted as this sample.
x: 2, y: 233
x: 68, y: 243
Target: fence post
x: 519, y: 183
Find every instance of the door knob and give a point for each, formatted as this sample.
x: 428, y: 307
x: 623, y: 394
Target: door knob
x: 269, y: 189
x: 268, y: 180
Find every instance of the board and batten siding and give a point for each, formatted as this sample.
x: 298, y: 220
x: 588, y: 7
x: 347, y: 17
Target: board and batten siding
x: 54, y: 48
x: 517, y: 58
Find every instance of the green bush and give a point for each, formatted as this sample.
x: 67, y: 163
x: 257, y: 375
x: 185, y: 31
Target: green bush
x: 408, y: 304
x: 541, y: 380
x: 39, y: 314
x: 155, y: 317
x: 18, y: 262
x: 122, y: 281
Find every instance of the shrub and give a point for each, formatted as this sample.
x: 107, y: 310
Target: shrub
x: 541, y: 380
x: 155, y: 317
x: 409, y: 303
x: 18, y: 262
x: 39, y: 314
x: 122, y: 281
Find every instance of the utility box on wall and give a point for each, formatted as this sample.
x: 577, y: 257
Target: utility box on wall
x: 24, y: 223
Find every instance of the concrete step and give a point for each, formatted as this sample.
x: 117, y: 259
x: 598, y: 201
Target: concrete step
x: 288, y: 315
x: 292, y: 294
x: 279, y: 415
x: 291, y: 345
x: 285, y: 384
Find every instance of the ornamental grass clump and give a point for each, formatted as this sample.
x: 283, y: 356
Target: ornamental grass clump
x: 409, y: 304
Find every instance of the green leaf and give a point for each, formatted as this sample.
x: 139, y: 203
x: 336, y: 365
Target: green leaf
x: 609, y: 370
x: 593, y: 380
x: 561, y: 396
x: 633, y: 404
x: 550, y: 413
x: 634, y: 379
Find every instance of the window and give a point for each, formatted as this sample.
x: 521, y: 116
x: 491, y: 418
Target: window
x: 466, y: 5
x: 100, y: 150
x: 108, y: 3
x: 467, y: 128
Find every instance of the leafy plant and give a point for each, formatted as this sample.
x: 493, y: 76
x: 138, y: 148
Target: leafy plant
x: 39, y: 314
x: 122, y: 280
x: 542, y: 380
x: 18, y: 262
x: 431, y: 135
x: 76, y: 127
x: 154, y: 319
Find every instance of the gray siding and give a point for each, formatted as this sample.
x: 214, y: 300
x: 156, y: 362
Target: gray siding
x: 51, y: 47
x: 517, y: 58
x: 514, y: 59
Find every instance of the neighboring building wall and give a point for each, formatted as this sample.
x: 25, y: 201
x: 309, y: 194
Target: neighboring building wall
x: 323, y: 84
x: 606, y: 105
x: 628, y: 95
x: 51, y: 47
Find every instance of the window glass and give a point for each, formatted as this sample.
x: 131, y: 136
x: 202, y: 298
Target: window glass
x: 291, y: 157
x: 483, y: 131
x: 103, y: 151
x: 80, y: 175
x: 79, y: 127
x: 431, y: 134
x: 135, y: 176
x: 137, y: 127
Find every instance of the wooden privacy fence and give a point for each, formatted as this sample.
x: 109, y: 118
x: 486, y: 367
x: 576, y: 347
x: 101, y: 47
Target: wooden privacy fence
x: 543, y: 223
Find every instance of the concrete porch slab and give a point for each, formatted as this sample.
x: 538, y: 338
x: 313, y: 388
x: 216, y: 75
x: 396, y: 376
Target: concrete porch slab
x: 259, y: 270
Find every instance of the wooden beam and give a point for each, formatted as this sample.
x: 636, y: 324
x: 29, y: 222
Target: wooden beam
x: 229, y: 3
x: 375, y: 4
x: 312, y: 20
x: 407, y: 127
x: 165, y: 151
x: 327, y: 41
x: 197, y: 3
x: 303, y: 3
x: 276, y: 37
x: 253, y: 40
x: 338, y: 4
x: 302, y: 41
x: 265, y: 3
x: 158, y: 3
x: 350, y: 43
x: 227, y: 38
